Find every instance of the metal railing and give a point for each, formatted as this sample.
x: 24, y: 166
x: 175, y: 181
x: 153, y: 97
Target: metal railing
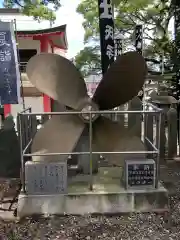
x: 25, y: 147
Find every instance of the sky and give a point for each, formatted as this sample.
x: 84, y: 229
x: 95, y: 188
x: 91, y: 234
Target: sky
x: 75, y: 33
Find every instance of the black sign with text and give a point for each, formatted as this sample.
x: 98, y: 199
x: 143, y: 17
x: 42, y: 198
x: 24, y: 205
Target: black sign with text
x: 106, y: 28
x: 140, y: 174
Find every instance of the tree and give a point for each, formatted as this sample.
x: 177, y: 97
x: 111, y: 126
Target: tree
x: 90, y: 60
x: 154, y: 15
x: 39, y: 9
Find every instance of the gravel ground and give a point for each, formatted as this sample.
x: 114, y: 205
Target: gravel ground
x: 127, y: 227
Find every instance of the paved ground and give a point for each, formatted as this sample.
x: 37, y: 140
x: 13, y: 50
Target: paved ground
x: 132, y: 227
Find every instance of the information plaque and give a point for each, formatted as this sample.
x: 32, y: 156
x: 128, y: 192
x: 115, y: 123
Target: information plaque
x: 140, y: 174
x: 46, y: 178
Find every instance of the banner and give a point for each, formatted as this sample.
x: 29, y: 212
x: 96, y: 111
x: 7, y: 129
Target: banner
x: 139, y: 48
x: 9, y: 69
x: 106, y: 28
x: 118, y: 47
x: 139, y: 38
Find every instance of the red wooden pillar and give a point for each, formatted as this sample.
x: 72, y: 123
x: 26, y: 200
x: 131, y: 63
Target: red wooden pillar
x: 44, y: 43
x: 7, y: 109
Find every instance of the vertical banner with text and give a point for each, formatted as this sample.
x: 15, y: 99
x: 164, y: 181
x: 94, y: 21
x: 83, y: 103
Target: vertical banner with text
x: 139, y: 48
x: 139, y: 38
x: 9, y: 68
x: 118, y: 47
x: 106, y: 28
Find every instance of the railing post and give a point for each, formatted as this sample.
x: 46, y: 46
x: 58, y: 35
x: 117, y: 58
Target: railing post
x: 148, y: 131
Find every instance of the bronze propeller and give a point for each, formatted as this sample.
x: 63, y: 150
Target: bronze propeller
x: 57, y: 77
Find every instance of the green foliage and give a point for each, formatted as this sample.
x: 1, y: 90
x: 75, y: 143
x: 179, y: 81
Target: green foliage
x: 39, y: 9
x: 89, y: 10
x: 154, y: 15
x: 88, y: 60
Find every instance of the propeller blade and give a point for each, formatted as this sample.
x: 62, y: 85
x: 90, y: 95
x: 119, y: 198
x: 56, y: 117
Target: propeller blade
x: 110, y: 136
x: 122, y: 81
x: 57, y: 107
x: 57, y: 77
x: 60, y: 134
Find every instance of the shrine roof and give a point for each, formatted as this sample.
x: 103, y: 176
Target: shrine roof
x: 57, y: 35
x: 43, y: 31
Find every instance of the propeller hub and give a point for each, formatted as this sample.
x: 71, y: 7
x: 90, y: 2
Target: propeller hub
x: 87, y: 112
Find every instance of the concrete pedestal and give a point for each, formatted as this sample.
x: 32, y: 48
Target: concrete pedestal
x: 108, y: 196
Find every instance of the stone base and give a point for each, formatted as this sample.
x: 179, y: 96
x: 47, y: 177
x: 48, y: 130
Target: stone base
x: 107, y: 197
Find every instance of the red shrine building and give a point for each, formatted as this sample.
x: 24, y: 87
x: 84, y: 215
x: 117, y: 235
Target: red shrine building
x: 29, y: 43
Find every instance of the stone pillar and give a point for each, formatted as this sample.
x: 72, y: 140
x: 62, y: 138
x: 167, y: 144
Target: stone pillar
x: 172, y: 133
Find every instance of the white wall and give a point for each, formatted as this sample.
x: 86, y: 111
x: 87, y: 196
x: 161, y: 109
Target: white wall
x: 28, y: 43
x: 36, y: 103
x: 49, y: 48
